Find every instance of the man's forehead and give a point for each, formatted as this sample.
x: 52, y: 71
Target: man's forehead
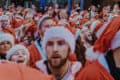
x: 56, y: 39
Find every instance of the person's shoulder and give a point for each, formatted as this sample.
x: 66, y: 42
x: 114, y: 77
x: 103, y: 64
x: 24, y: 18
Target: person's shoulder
x: 94, y: 71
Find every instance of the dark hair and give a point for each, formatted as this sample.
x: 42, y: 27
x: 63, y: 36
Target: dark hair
x: 80, y: 51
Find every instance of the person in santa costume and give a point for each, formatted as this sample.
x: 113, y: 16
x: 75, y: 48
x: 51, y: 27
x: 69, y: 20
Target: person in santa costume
x: 18, y: 54
x: 58, y: 43
x: 108, y: 45
x: 35, y: 49
x: 5, y: 25
x: 6, y: 42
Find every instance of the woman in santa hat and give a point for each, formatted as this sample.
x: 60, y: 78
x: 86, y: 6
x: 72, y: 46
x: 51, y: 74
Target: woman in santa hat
x: 6, y: 42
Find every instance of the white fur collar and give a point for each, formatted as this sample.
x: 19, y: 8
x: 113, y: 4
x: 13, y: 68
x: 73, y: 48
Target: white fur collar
x: 103, y: 62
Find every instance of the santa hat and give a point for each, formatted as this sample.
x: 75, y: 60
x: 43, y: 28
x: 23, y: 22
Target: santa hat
x: 93, y: 25
x: 84, y: 12
x: 29, y: 15
x: 63, y: 22
x: 60, y: 32
x: 4, y: 17
x: 110, y: 37
x: 41, y: 20
x: 74, y: 14
x: 14, y: 49
x: 6, y: 37
x: 98, y: 27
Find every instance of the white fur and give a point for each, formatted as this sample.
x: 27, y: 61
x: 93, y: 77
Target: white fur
x: 6, y: 37
x: 93, y: 25
x: 100, y: 31
x: 116, y: 41
x: 91, y: 55
x: 15, y: 48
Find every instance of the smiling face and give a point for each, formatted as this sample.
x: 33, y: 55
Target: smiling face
x: 20, y: 56
x: 57, y: 51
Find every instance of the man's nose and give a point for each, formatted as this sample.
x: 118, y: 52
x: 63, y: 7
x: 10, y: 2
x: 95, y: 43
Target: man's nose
x: 55, y: 47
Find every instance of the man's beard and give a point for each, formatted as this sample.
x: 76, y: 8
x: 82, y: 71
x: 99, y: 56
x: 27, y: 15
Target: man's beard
x: 57, y: 63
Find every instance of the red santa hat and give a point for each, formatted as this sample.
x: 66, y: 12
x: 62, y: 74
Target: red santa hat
x: 110, y: 38
x: 98, y: 27
x: 7, y: 37
x: 41, y: 20
x: 4, y: 17
x: 60, y: 32
x: 93, y: 25
x: 14, y: 49
x: 82, y: 13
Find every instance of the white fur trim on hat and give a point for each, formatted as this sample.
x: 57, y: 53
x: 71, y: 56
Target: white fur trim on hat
x: 84, y: 28
x: 41, y: 19
x: 4, y: 17
x: 14, y: 49
x: 116, y: 41
x: 91, y: 55
x: 93, y: 25
x: 6, y: 37
x: 59, y: 32
x: 101, y: 30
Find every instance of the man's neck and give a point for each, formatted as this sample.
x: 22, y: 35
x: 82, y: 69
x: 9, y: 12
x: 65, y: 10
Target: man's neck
x: 116, y: 56
x: 60, y: 72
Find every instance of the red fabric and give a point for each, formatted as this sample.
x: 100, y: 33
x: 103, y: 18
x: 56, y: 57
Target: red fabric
x: 10, y: 31
x: 32, y: 28
x: 34, y: 55
x: 103, y: 43
x: 72, y: 29
x: 94, y: 71
x: 98, y: 27
x: 17, y: 22
x: 10, y: 71
x: 72, y: 57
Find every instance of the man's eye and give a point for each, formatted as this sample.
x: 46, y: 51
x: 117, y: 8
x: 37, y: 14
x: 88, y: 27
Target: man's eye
x: 61, y: 42
x: 50, y: 43
x: 8, y: 42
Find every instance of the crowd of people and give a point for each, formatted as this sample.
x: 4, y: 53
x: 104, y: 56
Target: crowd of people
x: 84, y: 45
